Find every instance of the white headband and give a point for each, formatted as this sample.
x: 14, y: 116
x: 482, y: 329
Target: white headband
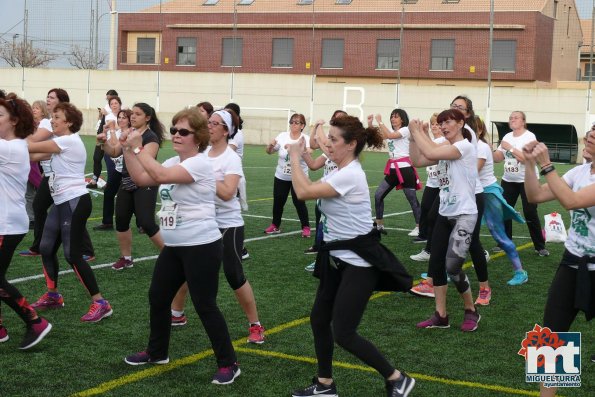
x: 224, y: 114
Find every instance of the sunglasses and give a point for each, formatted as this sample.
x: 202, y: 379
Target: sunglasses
x: 215, y: 123
x: 458, y: 107
x: 182, y: 131
x: 295, y: 122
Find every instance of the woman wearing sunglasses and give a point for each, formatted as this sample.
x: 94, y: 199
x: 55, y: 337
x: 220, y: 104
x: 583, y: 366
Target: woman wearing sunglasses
x: 193, y: 245
x: 132, y: 198
x: 282, y: 183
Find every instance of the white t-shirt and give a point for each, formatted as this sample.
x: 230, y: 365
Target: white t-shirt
x: 14, y: 172
x: 118, y: 161
x: 329, y: 166
x: 193, y: 203
x: 283, y: 170
x: 45, y: 123
x: 432, y: 170
x: 457, y: 180
x: 514, y: 170
x: 67, y: 169
x: 486, y: 175
x: 581, y: 237
x: 238, y: 142
x: 474, y: 140
x: 399, y: 148
x: 228, y: 213
x: 350, y: 214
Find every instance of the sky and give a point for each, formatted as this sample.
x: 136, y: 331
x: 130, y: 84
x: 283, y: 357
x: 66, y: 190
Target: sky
x: 57, y: 25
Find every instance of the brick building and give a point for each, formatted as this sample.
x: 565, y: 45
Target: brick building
x: 534, y: 40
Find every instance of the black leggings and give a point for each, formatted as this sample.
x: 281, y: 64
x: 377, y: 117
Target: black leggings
x: 512, y: 191
x: 233, y: 242
x: 41, y: 203
x: 109, y: 193
x: 336, y: 314
x: 426, y: 222
x: 65, y: 225
x: 281, y: 190
x: 199, y: 266
x: 97, y: 157
x: 140, y: 202
x: 8, y: 292
x: 389, y: 183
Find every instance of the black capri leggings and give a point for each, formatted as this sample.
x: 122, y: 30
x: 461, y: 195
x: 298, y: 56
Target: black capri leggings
x: 281, y: 190
x: 111, y: 189
x: 511, y: 193
x: 140, y: 202
x: 233, y: 242
x: 389, y: 183
x: 426, y: 222
x: 65, y: 225
x: 8, y: 292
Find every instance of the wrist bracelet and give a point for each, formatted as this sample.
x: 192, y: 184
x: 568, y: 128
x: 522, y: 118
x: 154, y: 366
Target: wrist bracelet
x: 546, y: 170
x: 545, y: 166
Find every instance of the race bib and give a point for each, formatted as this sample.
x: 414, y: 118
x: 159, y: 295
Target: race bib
x: 51, y: 180
x: 287, y: 169
x: 168, y: 217
x: 432, y: 172
x: 442, y: 175
x: 511, y: 166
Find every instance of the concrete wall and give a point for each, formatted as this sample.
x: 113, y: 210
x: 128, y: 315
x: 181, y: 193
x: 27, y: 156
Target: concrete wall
x: 267, y: 99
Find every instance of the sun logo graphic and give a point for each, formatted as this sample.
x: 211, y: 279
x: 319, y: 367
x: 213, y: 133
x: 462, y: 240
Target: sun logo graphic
x: 552, y: 358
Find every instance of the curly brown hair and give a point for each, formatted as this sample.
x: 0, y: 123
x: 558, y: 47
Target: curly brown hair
x: 197, y: 123
x: 352, y: 129
x: 20, y: 111
x: 72, y: 115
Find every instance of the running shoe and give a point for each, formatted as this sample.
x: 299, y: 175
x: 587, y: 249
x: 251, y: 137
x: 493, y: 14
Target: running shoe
x: 380, y: 228
x: 311, y: 250
x: 123, y: 263
x: 226, y: 375
x: 435, y: 322
x: 97, y: 312
x: 317, y: 389
x: 310, y: 267
x: 92, y: 185
x: 306, y: 232
x: 543, y: 252
x: 593, y: 358
x: 104, y: 227
x: 245, y: 254
x: 470, y: 321
x: 485, y: 295
x: 414, y: 232
x: 487, y: 255
x: 272, y: 229
x: 3, y: 334
x: 29, y: 253
x: 423, y: 256
x: 88, y: 258
x: 419, y: 240
x: 178, y: 321
x: 48, y: 302
x: 424, y: 288
x: 256, y: 334
x: 497, y: 250
x: 400, y: 387
x: 519, y: 277
x: 142, y: 358
x: 35, y: 333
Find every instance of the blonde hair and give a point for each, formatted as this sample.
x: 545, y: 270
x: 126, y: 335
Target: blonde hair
x: 43, y: 107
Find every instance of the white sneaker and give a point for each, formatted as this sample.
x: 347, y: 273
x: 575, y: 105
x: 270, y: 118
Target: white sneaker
x: 487, y: 255
x: 414, y: 232
x: 423, y: 256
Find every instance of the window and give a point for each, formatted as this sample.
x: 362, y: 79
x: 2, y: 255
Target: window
x: 555, y: 9
x: 332, y: 53
x: 305, y: 2
x: 232, y: 52
x: 186, y: 52
x: 443, y: 55
x: 343, y: 2
x: 504, y: 56
x: 210, y: 2
x: 245, y: 2
x: 588, y: 68
x: 282, y: 53
x: 387, y: 54
x: 145, y: 50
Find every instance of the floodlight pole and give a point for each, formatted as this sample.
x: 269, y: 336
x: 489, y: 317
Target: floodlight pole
x: 398, y: 87
x: 488, y: 116
x: 588, y: 115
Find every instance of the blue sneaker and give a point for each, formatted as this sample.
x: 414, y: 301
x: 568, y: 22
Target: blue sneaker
x: 520, y: 277
x: 226, y: 375
x: 310, y: 267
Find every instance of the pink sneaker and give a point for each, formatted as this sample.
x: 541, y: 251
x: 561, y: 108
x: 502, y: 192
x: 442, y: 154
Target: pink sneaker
x: 272, y: 229
x: 256, y: 334
x: 424, y: 288
x: 48, y: 302
x: 3, y: 334
x: 485, y: 295
x: 97, y: 312
x: 470, y: 321
x: 35, y: 333
x: 435, y: 322
x: 178, y: 321
x: 306, y: 232
x: 123, y: 263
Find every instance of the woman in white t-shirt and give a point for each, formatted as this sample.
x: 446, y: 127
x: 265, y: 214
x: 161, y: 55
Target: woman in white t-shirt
x: 399, y: 172
x: 573, y: 287
x: 510, y: 151
x: 16, y: 123
x: 67, y: 220
x: 347, y: 280
x: 193, y: 246
x: 457, y: 213
x: 282, y: 183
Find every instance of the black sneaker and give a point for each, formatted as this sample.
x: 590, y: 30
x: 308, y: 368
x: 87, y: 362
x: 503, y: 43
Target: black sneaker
x: 401, y: 387
x: 245, y: 254
x: 380, y: 228
x: 226, y: 375
x: 543, y: 252
x: 593, y: 358
x: 104, y: 226
x: 311, y: 250
x: 35, y: 333
x: 142, y: 358
x: 317, y: 389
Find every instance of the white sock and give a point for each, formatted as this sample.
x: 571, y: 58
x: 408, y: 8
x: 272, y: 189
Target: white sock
x: 255, y: 323
x: 128, y: 258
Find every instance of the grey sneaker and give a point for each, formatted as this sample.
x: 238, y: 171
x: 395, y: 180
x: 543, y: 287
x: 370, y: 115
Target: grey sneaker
x: 400, y: 387
x: 543, y: 252
x: 316, y: 389
x: 423, y: 256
